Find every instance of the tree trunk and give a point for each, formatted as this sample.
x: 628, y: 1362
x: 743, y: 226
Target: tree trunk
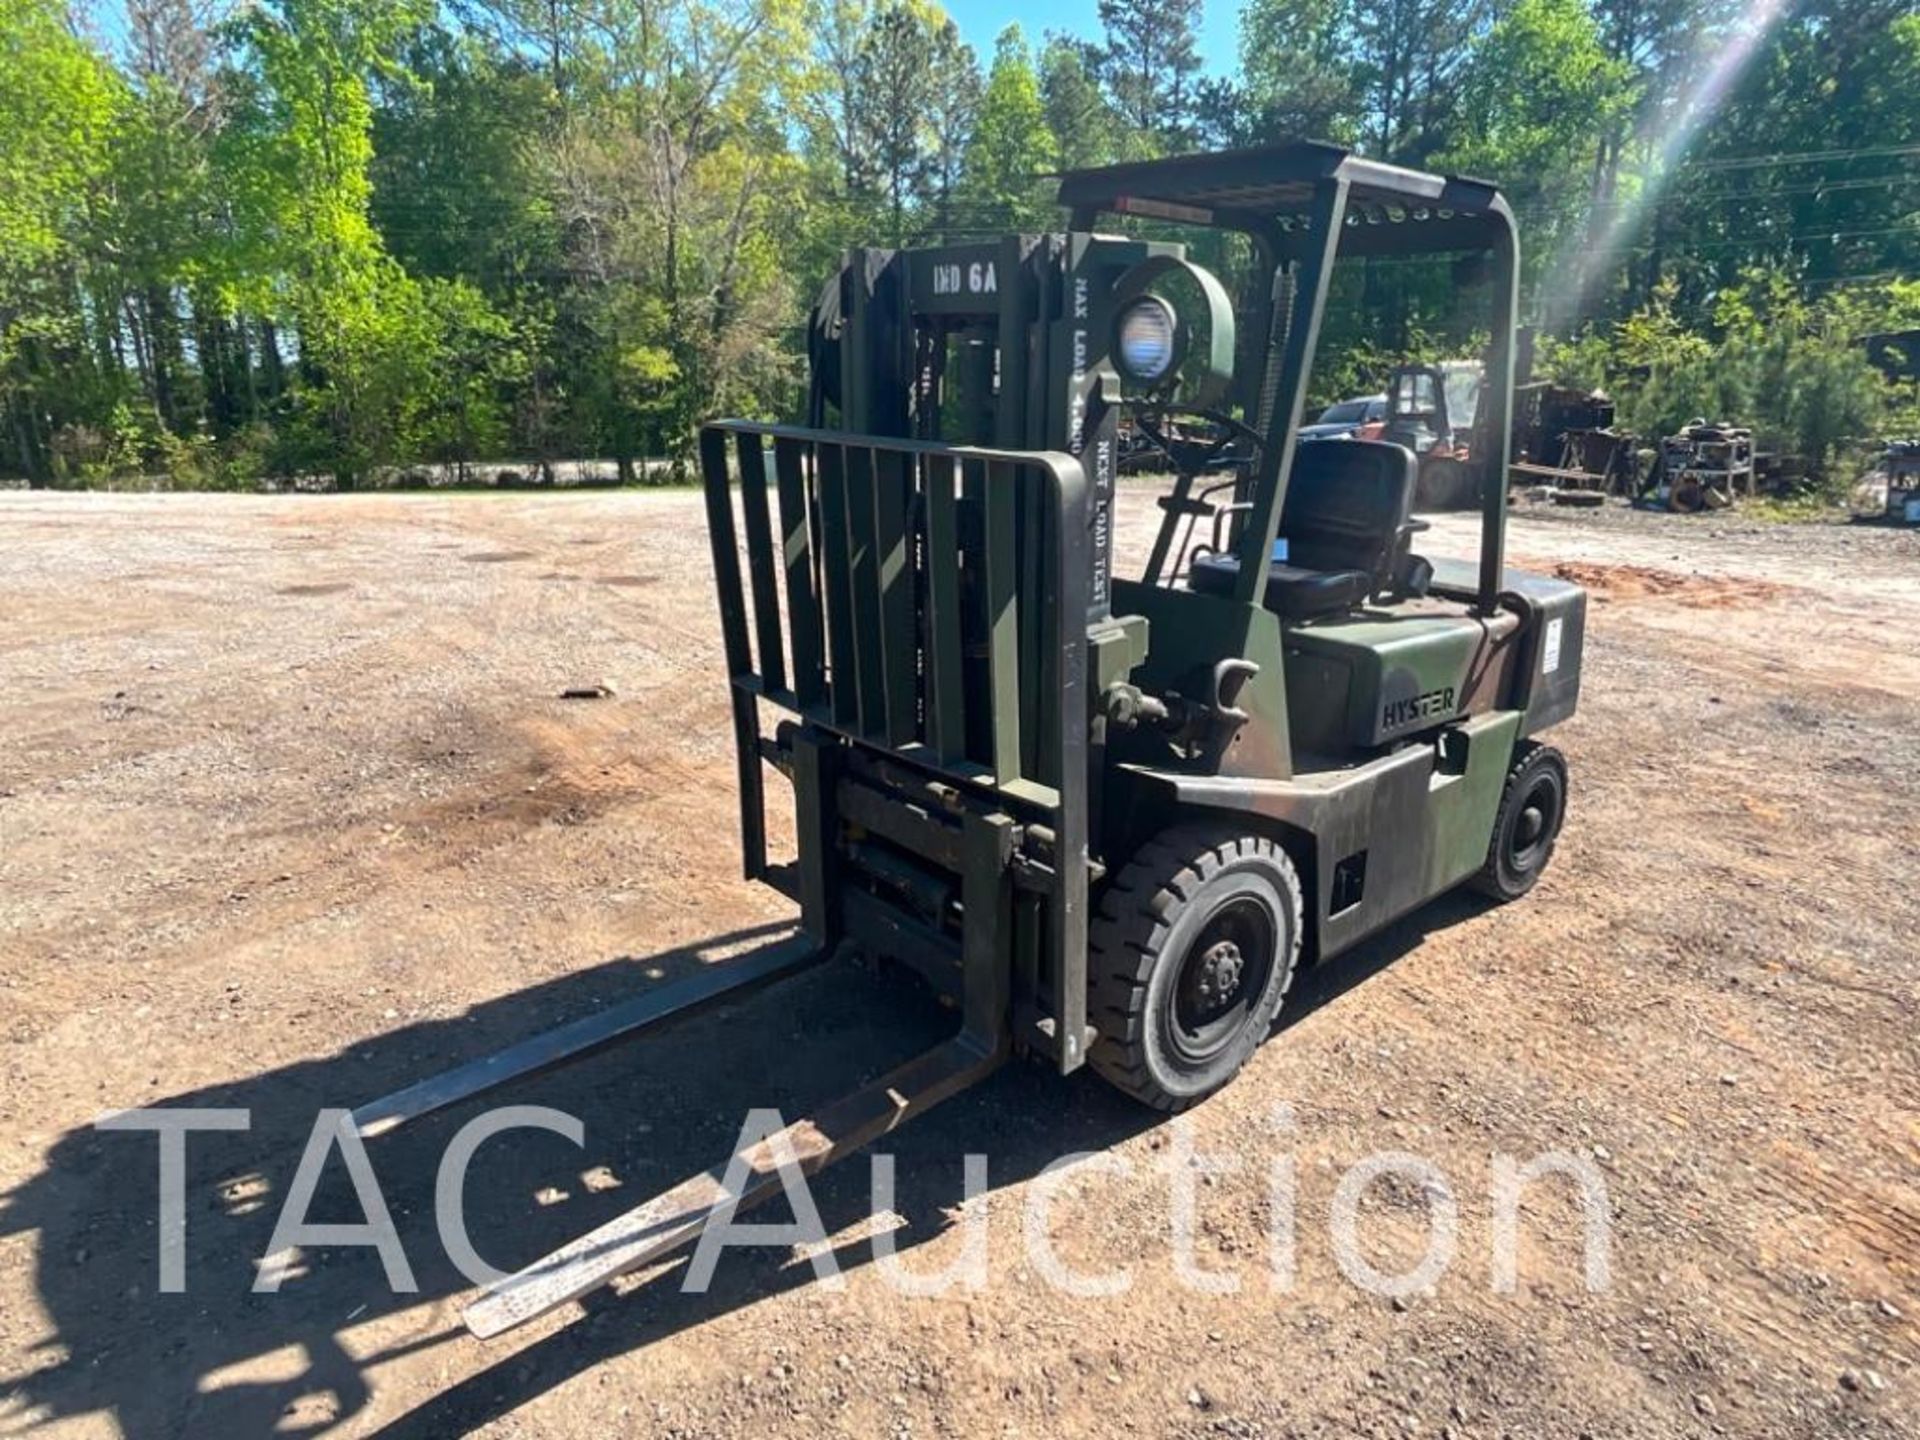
x: 273, y: 369
x: 137, y: 333
x: 33, y: 457
x: 213, y: 338
x: 163, y: 354
x: 103, y: 330
x: 1656, y: 262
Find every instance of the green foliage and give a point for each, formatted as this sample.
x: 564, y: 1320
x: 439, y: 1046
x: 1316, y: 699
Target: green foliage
x: 57, y: 102
x: 338, y: 237
x: 1296, y: 75
x: 910, y: 71
x: 474, y: 363
x: 457, y: 187
x: 1086, y: 131
x: 1655, y: 338
x: 1354, y: 365
x: 1584, y: 361
x: 362, y: 321
x: 1797, y: 366
x: 1788, y: 367
x: 1536, y: 94
x: 56, y: 105
x: 1151, y: 64
x: 1010, y: 148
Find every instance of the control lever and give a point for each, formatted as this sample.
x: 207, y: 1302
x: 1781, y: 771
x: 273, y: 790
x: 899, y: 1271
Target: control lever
x: 1229, y: 678
x: 1190, y: 724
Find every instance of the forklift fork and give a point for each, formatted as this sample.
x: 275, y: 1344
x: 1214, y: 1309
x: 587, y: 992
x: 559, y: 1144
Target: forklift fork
x: 676, y: 1218
x: 578, y: 1039
x: 668, y: 1221
x: 936, y: 676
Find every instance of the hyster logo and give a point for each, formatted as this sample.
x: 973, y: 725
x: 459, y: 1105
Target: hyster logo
x: 1400, y: 713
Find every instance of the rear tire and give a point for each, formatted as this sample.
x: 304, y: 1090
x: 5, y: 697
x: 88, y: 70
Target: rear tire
x: 1446, y: 484
x: 1533, y: 805
x: 1190, y: 955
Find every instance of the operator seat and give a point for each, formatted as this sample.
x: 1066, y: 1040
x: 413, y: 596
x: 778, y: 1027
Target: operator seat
x: 1347, y: 524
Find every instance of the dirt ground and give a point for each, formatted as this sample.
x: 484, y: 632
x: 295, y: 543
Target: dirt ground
x: 291, y: 812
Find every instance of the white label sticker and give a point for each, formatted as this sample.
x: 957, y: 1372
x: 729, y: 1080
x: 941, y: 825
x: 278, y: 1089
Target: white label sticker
x: 1550, y: 660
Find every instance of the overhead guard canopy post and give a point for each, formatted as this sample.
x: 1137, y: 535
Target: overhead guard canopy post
x: 1296, y: 363
x: 1498, y: 432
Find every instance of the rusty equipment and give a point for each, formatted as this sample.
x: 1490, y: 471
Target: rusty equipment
x: 1565, y: 438
x: 1703, y: 467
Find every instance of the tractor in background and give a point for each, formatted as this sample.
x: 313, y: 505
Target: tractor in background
x: 1436, y: 412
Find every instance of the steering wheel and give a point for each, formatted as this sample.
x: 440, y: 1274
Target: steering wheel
x: 1192, y: 456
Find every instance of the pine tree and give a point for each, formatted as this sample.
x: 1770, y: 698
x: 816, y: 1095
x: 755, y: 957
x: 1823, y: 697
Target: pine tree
x: 893, y: 95
x: 1084, y: 127
x: 1011, y: 147
x: 1151, y: 63
x: 1296, y: 80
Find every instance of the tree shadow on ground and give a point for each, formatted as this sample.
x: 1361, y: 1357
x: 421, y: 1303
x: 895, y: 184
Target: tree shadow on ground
x: 222, y: 1360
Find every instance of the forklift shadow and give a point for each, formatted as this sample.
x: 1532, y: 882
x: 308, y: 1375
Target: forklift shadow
x: 1321, y: 984
x: 1024, y: 1115
x: 222, y: 1360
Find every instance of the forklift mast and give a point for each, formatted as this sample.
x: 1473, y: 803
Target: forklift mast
x: 999, y: 344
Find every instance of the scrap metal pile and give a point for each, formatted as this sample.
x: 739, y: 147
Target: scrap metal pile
x: 1704, y: 467
x: 1892, y: 491
x: 1566, y: 444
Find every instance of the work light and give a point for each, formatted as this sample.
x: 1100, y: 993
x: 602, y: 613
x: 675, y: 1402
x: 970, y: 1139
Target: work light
x: 1148, y: 334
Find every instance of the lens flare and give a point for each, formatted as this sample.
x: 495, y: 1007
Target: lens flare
x: 1574, y: 275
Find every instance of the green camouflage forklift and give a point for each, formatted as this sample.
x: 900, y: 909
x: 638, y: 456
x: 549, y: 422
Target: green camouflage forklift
x: 1109, y: 810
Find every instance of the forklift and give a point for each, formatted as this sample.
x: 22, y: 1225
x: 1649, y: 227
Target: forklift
x: 1108, y: 816
x: 1436, y: 411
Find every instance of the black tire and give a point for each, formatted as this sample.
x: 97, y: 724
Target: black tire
x: 1446, y: 484
x: 1190, y: 954
x: 1533, y: 806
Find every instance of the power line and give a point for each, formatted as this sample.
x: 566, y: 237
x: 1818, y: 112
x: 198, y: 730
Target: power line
x: 1801, y: 157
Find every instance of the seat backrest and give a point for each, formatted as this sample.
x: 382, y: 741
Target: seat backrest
x: 1348, y: 502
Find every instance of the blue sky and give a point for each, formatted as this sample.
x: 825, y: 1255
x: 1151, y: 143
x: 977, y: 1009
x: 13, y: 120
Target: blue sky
x: 981, y: 20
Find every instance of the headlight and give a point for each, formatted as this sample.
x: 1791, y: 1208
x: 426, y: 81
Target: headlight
x: 1148, y: 335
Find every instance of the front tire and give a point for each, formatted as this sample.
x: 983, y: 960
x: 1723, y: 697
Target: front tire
x: 1190, y: 955
x: 1533, y: 806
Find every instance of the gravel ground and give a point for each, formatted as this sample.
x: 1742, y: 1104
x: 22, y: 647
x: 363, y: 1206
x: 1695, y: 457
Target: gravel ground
x: 291, y: 813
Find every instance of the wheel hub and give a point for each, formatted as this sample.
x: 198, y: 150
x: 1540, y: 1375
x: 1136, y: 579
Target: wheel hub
x: 1534, y: 823
x: 1217, y: 977
x: 1225, y: 970
x: 1533, y: 820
